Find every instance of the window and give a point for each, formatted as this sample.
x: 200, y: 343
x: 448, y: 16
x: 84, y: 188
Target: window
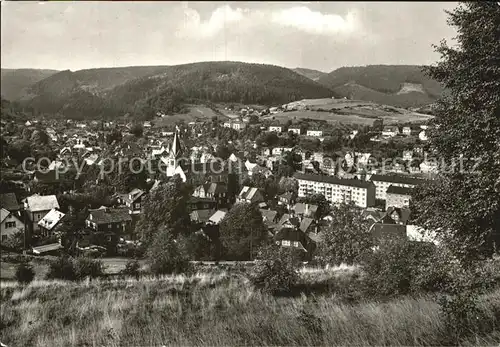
x: 296, y: 243
x: 110, y: 226
x: 10, y: 224
x: 285, y: 243
x: 137, y: 205
x: 4, y: 238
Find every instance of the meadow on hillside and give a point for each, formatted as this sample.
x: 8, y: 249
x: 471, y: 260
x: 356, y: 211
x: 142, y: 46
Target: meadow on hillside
x: 221, y: 308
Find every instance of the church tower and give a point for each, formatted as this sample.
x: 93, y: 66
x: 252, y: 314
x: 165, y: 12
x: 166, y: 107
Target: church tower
x: 174, y: 154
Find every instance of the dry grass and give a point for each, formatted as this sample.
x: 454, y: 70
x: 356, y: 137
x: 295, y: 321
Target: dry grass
x: 212, y: 310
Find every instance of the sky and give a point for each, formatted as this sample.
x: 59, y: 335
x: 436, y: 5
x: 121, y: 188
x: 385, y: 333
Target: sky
x: 316, y: 35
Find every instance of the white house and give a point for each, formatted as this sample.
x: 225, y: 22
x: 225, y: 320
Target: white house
x: 315, y: 133
x: 390, y: 131
x: 9, y: 224
x: 429, y: 166
x: 275, y: 128
x: 407, y: 131
x: 423, y: 136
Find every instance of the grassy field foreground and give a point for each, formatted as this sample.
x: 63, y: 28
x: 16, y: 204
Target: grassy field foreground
x: 209, y: 310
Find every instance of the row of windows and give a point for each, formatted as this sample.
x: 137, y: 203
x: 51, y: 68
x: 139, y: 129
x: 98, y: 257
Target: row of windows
x: 10, y: 224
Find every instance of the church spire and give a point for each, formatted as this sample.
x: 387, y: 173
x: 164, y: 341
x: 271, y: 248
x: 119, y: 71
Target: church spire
x: 175, y: 149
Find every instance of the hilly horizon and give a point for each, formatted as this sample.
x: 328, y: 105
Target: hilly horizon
x: 394, y: 85
x: 145, y: 90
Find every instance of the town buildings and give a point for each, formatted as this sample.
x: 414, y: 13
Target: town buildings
x: 336, y: 190
x: 383, y: 182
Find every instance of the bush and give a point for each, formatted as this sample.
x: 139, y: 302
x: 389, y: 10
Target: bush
x: 62, y: 268
x: 87, y: 267
x: 460, y: 314
x: 24, y: 273
x: 394, y: 267
x: 132, y: 268
x: 276, y: 270
x: 164, y: 256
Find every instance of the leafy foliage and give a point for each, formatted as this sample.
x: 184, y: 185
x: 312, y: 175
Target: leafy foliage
x: 62, y: 268
x: 24, y: 273
x: 165, y: 207
x: 276, y: 269
x: 346, y: 239
x: 143, y: 91
x: 164, y: 256
x: 464, y: 203
x: 242, y: 231
x: 87, y: 267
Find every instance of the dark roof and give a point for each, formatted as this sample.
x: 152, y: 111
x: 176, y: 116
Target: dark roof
x: 291, y: 234
x: 397, y: 179
x: 399, y: 190
x: 9, y: 202
x: 51, y: 176
x: 333, y: 180
x: 215, y: 188
x: 109, y: 215
x: 195, y: 200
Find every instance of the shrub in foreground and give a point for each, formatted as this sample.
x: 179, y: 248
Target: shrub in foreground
x: 400, y: 267
x: 132, y: 268
x: 87, y: 267
x: 276, y: 270
x: 164, y: 256
x: 24, y: 273
x: 67, y: 268
x: 62, y: 268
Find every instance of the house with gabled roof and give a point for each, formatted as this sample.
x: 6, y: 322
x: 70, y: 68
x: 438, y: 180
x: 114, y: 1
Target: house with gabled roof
x: 36, y: 207
x: 216, y: 191
x: 217, y: 217
x: 50, y: 221
x: 9, y: 202
x: 113, y: 222
x: 9, y: 224
x: 250, y: 195
x: 295, y: 238
x: 201, y: 216
x: 133, y: 200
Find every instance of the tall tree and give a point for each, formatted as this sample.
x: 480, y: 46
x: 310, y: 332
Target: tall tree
x: 165, y: 207
x: 347, y: 238
x: 242, y: 231
x: 463, y: 204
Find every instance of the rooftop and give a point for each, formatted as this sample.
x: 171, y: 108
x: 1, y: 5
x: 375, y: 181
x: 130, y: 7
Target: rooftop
x: 397, y: 179
x: 37, y: 202
x: 105, y: 215
x: 333, y: 180
x: 399, y: 190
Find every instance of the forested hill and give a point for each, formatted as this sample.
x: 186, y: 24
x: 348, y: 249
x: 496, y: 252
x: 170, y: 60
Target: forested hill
x: 142, y: 91
x: 315, y: 75
x: 396, y: 85
x: 14, y: 81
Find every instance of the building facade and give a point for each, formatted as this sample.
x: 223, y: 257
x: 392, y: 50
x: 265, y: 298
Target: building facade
x: 383, y: 182
x: 335, y: 190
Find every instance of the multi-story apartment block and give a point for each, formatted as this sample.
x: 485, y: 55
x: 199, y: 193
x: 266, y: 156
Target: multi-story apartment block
x: 383, y: 182
x: 335, y: 190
